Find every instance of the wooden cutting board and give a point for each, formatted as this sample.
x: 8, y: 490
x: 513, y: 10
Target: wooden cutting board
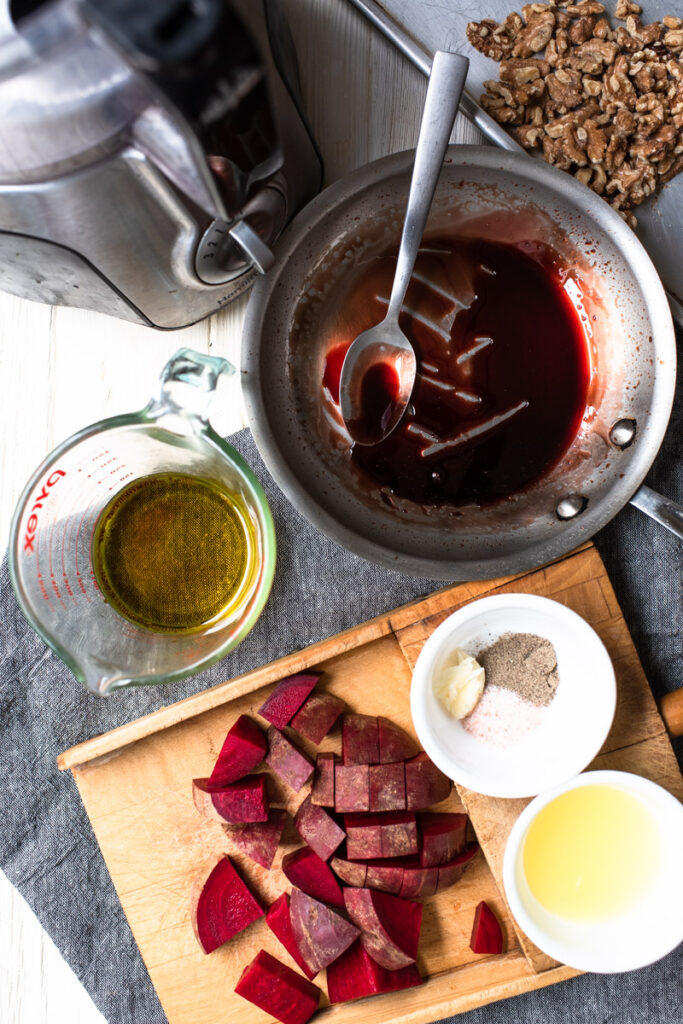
x: 135, y: 783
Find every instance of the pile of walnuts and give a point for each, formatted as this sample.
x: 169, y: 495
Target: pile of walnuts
x: 605, y: 104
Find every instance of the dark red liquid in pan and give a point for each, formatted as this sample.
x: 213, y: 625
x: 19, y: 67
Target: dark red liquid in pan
x: 503, y: 372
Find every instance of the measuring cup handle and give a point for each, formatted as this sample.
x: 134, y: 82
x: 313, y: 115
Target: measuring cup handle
x: 188, y: 382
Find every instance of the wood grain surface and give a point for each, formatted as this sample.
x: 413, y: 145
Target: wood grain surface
x: 136, y: 787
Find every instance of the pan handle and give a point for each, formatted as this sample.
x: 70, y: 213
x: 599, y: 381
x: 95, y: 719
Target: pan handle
x: 667, y: 512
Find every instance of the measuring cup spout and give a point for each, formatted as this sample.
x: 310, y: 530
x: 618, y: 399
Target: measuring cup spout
x: 188, y: 384
x: 100, y: 676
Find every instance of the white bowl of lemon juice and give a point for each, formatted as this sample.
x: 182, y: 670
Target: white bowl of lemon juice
x: 592, y: 872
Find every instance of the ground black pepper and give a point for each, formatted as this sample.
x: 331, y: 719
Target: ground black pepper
x: 523, y: 663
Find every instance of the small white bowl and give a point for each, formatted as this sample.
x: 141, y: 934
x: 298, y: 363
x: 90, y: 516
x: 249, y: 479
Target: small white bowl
x: 574, y: 726
x: 634, y: 939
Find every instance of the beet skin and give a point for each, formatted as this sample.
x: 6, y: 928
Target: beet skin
x: 259, y: 839
x: 279, y: 921
x: 284, y: 757
x: 318, y: 829
x: 317, y: 716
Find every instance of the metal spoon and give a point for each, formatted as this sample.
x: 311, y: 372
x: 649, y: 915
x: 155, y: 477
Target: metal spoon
x: 378, y: 373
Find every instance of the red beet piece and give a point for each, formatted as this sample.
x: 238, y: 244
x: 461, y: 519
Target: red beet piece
x: 287, y: 697
x: 317, y: 716
x: 224, y: 907
x: 360, y: 739
x: 318, y: 829
x: 277, y: 989
x: 387, y: 787
x: 259, y: 840
x: 246, y: 800
x: 443, y: 838
x: 355, y: 974
x: 451, y: 873
x: 279, y: 921
x: 487, y: 935
x: 425, y: 783
x: 308, y: 872
x: 322, y: 790
x: 351, y: 787
x: 284, y: 757
x: 390, y: 927
x: 393, y: 834
x: 244, y: 748
x: 351, y: 872
x: 394, y: 743
x: 320, y: 934
x: 386, y: 875
x: 418, y: 881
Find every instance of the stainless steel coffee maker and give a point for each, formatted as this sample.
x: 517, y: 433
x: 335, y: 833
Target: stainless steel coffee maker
x: 150, y: 152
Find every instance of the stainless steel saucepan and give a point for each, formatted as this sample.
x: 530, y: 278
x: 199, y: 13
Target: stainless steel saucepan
x: 295, y: 310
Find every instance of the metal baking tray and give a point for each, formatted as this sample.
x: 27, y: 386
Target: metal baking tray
x: 419, y: 27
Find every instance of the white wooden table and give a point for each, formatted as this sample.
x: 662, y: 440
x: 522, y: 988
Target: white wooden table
x: 61, y: 369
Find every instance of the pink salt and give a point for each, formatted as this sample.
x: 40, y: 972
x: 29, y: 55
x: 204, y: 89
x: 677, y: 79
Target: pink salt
x: 502, y: 718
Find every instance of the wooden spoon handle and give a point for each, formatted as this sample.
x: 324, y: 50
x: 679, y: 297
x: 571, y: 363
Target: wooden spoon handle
x: 671, y: 708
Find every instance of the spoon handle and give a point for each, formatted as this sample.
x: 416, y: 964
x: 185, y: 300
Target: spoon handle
x: 446, y: 82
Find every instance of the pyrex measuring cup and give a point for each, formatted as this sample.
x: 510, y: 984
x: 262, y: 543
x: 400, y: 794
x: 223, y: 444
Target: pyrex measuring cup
x: 50, y: 553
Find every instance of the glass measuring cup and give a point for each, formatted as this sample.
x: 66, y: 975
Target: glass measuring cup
x: 51, y: 538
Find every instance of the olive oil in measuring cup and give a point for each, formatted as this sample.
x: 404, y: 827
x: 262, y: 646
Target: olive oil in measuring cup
x: 174, y: 553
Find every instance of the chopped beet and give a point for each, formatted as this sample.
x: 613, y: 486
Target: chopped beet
x: 246, y: 800
x: 355, y: 974
x: 386, y: 875
x: 390, y: 926
x: 451, y: 873
x: 287, y: 697
x: 320, y: 933
x: 387, y: 787
x: 394, y: 742
x: 308, y: 872
x: 259, y: 839
x: 279, y: 921
x: 317, y: 716
x: 351, y: 787
x: 443, y: 838
x: 425, y: 783
x: 244, y: 748
x: 418, y: 881
x: 360, y: 739
x: 284, y: 757
x: 318, y: 829
x: 487, y: 935
x: 278, y: 990
x: 322, y: 791
x: 393, y: 834
x: 224, y: 908
x: 351, y: 872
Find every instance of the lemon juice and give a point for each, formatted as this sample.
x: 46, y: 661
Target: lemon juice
x: 591, y: 854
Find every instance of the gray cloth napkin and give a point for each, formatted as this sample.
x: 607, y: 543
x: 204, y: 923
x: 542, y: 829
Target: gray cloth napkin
x: 47, y: 848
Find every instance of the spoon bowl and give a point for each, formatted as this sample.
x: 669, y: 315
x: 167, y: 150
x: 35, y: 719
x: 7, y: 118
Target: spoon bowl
x: 380, y: 370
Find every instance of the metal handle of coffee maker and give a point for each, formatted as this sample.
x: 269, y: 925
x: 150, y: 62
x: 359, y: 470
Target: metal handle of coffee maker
x: 161, y: 38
